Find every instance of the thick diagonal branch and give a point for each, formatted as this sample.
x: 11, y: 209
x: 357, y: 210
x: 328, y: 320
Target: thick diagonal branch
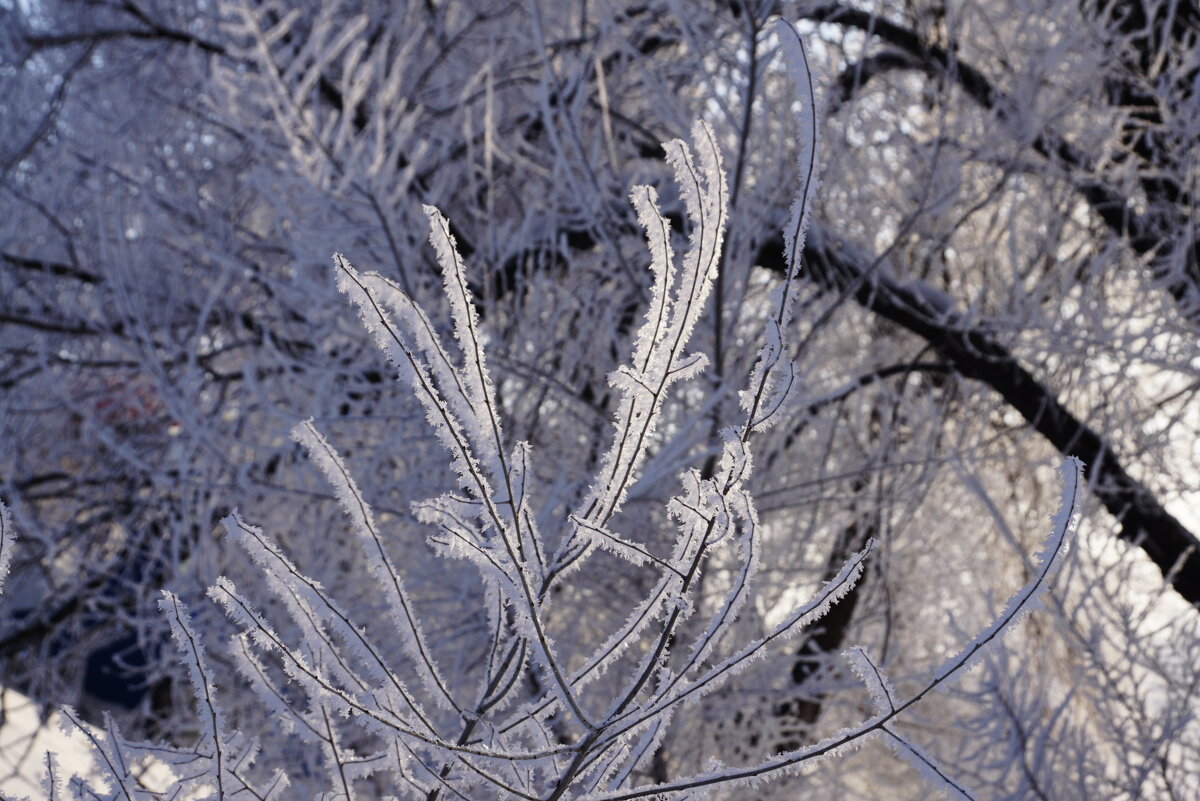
x: 978, y: 355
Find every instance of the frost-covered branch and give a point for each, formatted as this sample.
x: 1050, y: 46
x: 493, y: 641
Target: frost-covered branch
x: 8, y: 538
x: 1064, y: 525
x: 544, y: 701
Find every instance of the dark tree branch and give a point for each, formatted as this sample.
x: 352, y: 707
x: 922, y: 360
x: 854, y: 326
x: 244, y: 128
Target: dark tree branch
x: 47, y: 41
x: 50, y: 268
x: 74, y: 329
x: 860, y: 73
x: 975, y: 354
x: 1147, y: 234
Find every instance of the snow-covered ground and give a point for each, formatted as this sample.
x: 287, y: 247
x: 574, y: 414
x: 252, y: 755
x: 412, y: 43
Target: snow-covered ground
x: 25, y: 738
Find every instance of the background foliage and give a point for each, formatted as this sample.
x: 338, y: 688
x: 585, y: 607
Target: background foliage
x: 1003, y: 269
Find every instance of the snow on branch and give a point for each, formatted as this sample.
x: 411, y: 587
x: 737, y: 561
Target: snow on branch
x: 1022, y: 602
x: 532, y: 720
x: 379, y: 562
x: 8, y: 539
x: 774, y: 374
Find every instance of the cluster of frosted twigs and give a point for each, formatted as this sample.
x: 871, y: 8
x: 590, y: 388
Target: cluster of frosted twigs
x: 485, y: 735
